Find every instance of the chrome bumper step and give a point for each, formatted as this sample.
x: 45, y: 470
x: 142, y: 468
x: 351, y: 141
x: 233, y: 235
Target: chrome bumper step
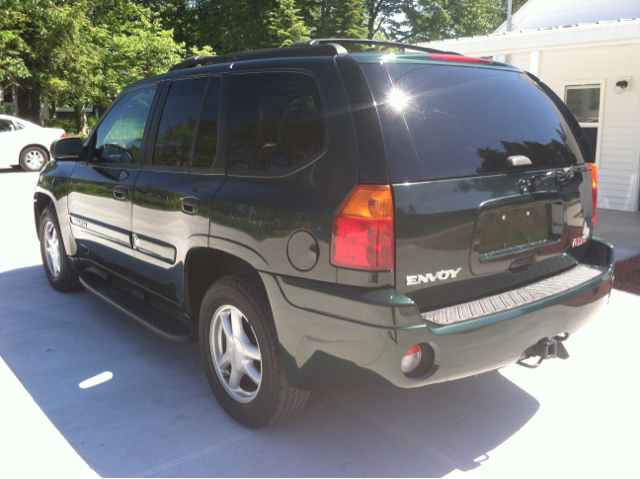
x: 516, y: 298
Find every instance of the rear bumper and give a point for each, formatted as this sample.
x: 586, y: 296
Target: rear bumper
x: 328, y: 332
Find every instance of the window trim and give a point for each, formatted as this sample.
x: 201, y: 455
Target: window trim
x: 601, y: 82
x: 91, y: 140
x: 152, y: 135
x: 281, y: 173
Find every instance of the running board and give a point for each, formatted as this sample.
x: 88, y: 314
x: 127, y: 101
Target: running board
x: 158, y: 321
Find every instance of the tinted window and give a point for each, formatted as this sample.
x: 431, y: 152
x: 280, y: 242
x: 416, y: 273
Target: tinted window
x: 275, y: 122
x: 445, y: 121
x: 119, y: 136
x: 207, y: 141
x: 6, y: 125
x: 178, y: 122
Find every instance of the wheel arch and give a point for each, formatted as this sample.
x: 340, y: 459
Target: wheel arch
x: 204, y: 266
x: 37, y: 145
x: 40, y: 201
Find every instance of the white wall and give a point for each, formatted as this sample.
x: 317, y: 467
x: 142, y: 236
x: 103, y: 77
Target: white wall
x: 553, y: 13
x: 620, y: 140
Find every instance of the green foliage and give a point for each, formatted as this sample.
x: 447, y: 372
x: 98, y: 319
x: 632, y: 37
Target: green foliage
x: 237, y: 25
x: 287, y: 25
x: 7, y: 110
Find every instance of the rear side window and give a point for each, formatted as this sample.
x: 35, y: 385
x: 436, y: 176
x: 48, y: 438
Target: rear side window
x: 276, y: 122
x: 178, y: 123
x: 207, y: 141
x: 444, y: 121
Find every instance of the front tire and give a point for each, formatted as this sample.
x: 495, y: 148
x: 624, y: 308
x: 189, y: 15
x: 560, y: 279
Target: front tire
x: 33, y: 158
x: 56, y: 264
x: 240, y: 353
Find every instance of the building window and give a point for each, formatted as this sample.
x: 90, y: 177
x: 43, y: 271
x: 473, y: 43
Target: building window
x: 585, y: 102
x: 8, y: 96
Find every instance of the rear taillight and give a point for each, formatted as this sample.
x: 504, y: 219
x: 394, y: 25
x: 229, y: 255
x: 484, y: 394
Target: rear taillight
x: 445, y: 57
x: 363, y: 236
x: 594, y: 188
x: 64, y: 134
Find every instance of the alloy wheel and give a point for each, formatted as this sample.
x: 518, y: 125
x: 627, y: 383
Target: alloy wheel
x: 236, y: 354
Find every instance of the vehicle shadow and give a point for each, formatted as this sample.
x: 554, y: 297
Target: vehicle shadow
x: 157, y: 417
x: 12, y: 169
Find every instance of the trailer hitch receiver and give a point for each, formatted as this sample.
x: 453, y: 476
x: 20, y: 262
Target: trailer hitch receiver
x: 546, y: 348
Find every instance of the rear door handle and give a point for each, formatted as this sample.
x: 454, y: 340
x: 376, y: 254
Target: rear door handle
x: 120, y: 193
x: 191, y: 206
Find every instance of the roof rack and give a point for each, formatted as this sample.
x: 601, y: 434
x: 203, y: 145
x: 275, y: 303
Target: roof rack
x: 313, y: 48
x: 327, y: 49
x: 324, y: 41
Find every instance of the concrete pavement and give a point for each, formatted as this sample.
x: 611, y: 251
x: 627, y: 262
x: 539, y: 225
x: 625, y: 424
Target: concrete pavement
x: 156, y: 416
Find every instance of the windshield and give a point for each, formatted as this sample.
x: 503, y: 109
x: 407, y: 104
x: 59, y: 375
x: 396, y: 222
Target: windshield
x: 442, y: 121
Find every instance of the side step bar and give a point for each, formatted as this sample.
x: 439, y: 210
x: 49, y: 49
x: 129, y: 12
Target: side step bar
x: 156, y: 320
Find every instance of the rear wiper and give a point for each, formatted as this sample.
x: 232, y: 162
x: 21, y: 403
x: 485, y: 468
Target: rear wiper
x: 535, y: 180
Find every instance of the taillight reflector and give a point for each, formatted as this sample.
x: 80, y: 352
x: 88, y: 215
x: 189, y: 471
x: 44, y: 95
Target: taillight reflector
x: 445, y: 57
x: 594, y: 188
x: 363, y: 233
x: 64, y: 134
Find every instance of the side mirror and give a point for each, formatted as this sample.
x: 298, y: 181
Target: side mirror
x: 66, y: 149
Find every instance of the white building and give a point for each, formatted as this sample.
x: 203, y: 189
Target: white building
x: 584, y: 50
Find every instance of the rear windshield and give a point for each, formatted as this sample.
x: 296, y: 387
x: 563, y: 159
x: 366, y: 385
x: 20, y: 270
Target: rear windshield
x: 442, y: 121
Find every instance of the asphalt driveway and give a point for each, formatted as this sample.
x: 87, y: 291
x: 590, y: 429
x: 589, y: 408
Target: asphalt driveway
x: 156, y: 415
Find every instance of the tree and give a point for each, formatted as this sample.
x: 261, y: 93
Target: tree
x: 79, y: 51
x: 428, y: 20
x: 237, y: 25
x: 334, y: 18
x: 381, y: 13
x: 286, y: 24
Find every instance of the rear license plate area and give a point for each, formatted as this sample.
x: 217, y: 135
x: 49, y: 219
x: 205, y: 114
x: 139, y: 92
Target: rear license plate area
x: 505, y: 233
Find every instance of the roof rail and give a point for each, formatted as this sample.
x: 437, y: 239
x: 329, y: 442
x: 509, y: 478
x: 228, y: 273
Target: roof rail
x: 327, y: 41
x: 321, y: 47
x: 327, y: 49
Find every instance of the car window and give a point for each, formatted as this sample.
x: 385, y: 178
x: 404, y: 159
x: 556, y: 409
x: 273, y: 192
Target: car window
x: 178, y: 122
x: 6, y: 125
x: 19, y: 126
x: 119, y: 137
x: 207, y: 141
x: 276, y: 122
x: 446, y: 122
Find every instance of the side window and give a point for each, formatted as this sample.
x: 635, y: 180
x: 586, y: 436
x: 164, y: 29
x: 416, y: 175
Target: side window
x: 276, y: 122
x: 119, y: 136
x: 207, y: 141
x: 178, y: 122
x: 6, y: 125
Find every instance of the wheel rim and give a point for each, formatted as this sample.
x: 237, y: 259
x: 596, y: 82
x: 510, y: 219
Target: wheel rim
x: 52, y: 249
x: 34, y: 159
x: 236, y: 353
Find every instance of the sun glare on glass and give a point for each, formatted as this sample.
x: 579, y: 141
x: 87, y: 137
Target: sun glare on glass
x: 397, y: 99
x: 95, y: 380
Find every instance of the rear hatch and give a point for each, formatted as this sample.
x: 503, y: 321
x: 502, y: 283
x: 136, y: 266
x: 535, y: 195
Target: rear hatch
x: 489, y: 184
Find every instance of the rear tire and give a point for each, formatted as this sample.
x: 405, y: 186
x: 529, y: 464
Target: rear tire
x: 241, y: 357
x: 33, y: 158
x: 56, y: 264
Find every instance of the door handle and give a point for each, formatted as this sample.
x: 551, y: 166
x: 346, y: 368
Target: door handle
x: 120, y: 193
x: 191, y: 206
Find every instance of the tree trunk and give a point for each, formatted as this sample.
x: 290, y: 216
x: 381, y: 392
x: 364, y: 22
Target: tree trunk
x: 30, y: 103
x: 81, y: 118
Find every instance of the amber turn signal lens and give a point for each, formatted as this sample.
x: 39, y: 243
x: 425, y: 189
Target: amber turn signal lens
x: 594, y: 188
x: 363, y: 232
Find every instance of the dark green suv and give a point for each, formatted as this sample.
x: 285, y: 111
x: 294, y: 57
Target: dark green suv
x: 311, y: 215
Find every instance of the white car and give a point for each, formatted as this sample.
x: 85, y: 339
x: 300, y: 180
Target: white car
x: 25, y: 143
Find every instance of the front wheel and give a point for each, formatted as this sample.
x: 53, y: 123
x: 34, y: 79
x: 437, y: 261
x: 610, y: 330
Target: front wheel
x: 240, y: 353
x: 57, y: 267
x: 33, y: 158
